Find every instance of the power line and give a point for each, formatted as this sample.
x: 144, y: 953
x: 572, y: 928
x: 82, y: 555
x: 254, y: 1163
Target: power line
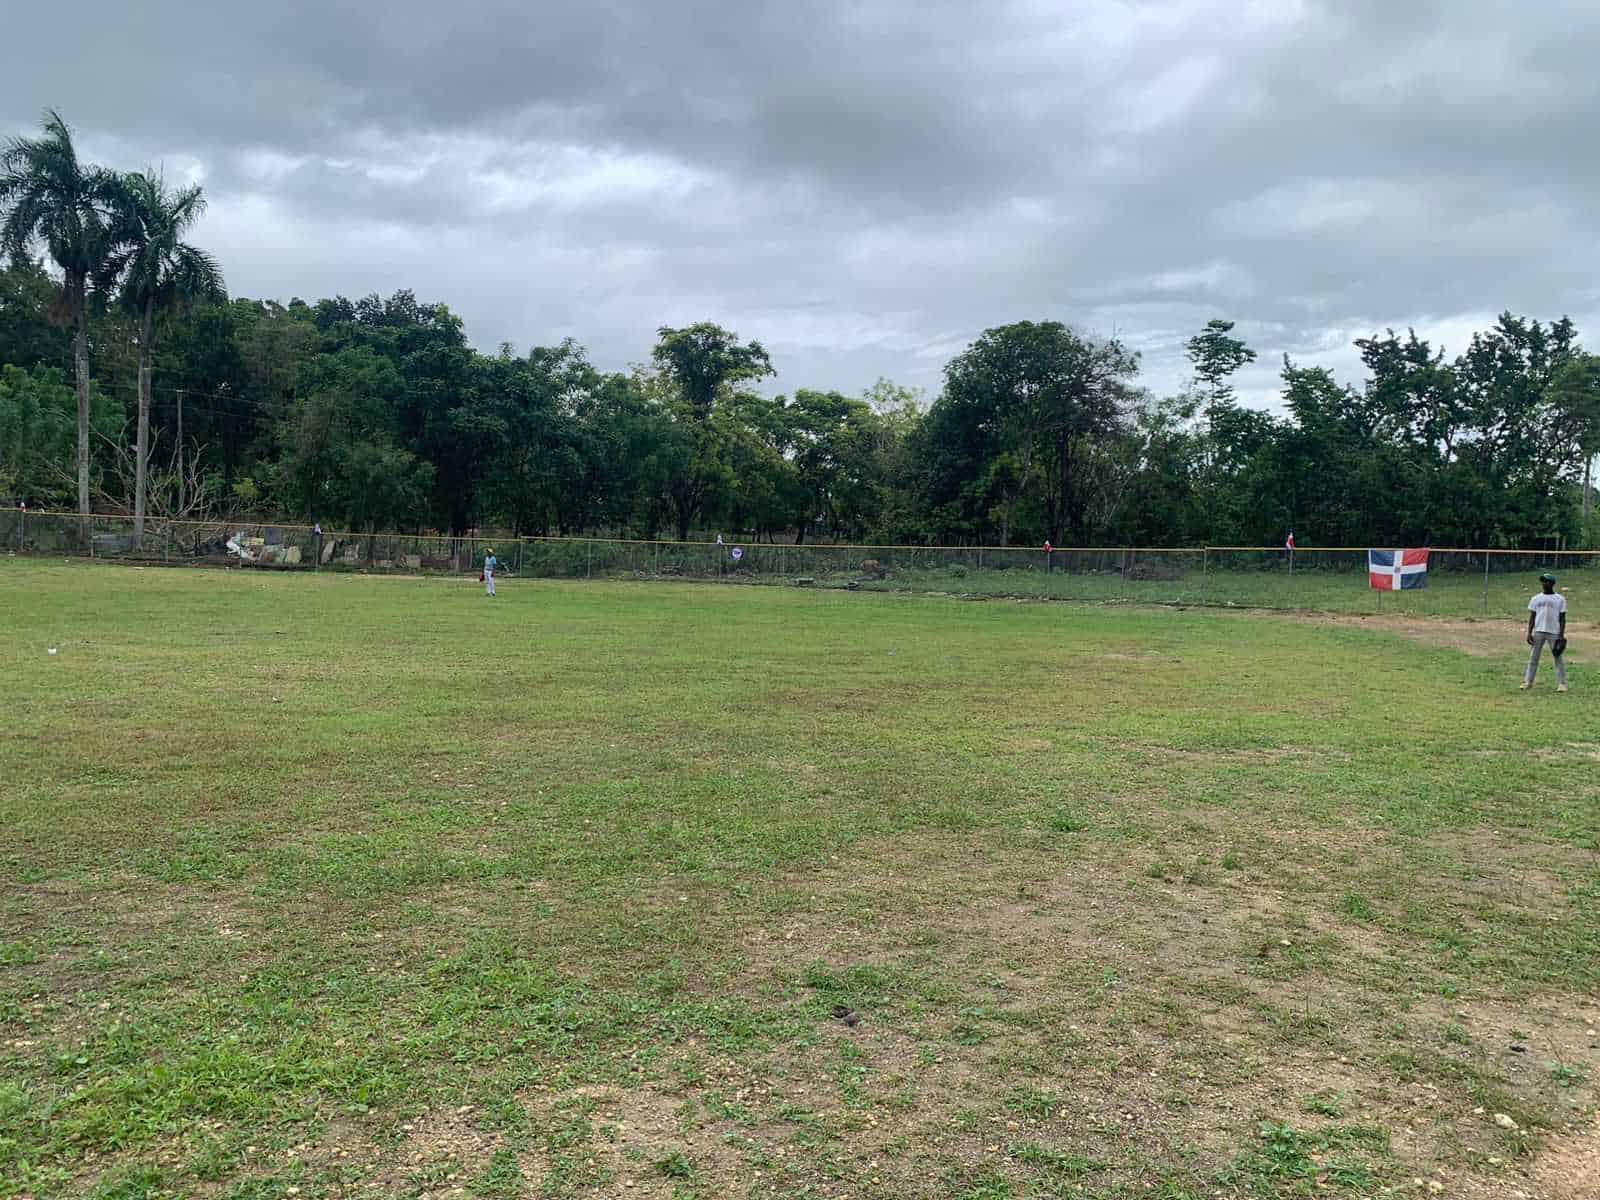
x: 173, y: 389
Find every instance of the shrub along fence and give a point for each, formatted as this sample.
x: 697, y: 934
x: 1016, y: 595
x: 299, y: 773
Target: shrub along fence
x: 1460, y: 582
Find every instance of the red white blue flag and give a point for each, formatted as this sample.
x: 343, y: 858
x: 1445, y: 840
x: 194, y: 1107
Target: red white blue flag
x: 1396, y: 570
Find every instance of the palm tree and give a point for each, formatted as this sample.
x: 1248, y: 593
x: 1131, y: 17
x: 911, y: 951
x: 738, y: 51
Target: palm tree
x: 47, y: 195
x: 155, y: 274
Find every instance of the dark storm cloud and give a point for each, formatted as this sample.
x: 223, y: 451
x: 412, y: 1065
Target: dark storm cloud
x: 865, y: 186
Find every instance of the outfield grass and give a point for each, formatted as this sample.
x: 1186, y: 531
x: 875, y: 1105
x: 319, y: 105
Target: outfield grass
x: 1452, y: 594
x: 331, y: 885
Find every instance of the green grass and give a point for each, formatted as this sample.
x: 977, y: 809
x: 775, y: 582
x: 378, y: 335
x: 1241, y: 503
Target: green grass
x: 1449, y: 593
x: 374, y: 885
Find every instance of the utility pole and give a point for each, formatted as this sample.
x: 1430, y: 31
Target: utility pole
x: 182, y: 489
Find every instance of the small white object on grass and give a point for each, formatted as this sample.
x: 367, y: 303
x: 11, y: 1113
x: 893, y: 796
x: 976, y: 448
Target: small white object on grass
x: 52, y: 650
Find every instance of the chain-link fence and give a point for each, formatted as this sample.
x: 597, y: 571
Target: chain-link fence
x: 234, y: 543
x: 1457, y: 582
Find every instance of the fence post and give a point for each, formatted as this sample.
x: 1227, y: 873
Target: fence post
x: 1486, y: 583
x: 588, y: 559
x: 1205, y: 573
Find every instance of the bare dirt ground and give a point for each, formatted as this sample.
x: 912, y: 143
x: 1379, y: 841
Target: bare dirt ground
x: 1486, y: 638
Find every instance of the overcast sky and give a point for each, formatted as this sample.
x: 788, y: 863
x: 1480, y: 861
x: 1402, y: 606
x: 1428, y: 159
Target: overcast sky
x: 865, y: 186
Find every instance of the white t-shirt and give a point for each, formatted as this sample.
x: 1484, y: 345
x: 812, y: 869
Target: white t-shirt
x: 1549, y: 610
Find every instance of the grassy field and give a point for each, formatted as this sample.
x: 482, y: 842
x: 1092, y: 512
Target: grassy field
x: 342, y: 886
x: 1452, y: 594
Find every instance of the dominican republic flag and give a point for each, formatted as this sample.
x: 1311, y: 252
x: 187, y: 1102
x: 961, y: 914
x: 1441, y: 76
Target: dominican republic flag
x: 1394, y: 570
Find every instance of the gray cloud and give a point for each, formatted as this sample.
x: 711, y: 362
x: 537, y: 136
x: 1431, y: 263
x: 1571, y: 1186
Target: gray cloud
x: 866, y: 186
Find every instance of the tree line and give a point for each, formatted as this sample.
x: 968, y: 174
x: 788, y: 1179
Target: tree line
x: 130, y: 381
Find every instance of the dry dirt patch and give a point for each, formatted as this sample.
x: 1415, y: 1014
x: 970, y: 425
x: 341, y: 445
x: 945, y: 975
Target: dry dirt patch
x: 641, y: 1140
x: 1569, y: 1167
x: 1486, y: 638
x: 1181, y: 1012
x: 1564, y: 1168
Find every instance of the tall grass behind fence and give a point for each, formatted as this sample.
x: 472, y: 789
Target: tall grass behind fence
x: 1460, y: 582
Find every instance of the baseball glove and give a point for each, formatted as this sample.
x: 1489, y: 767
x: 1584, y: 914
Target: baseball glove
x: 1558, y: 647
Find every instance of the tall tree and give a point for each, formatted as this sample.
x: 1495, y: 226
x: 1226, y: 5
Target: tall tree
x: 48, y: 196
x: 701, y: 362
x: 1216, y: 355
x: 28, y: 337
x: 1045, y: 394
x: 155, y: 274
x: 895, y: 462
x: 1413, y: 392
x: 531, y: 411
x: 832, y: 440
x: 36, y: 431
x: 1575, y: 406
x: 704, y: 357
x: 1519, y: 447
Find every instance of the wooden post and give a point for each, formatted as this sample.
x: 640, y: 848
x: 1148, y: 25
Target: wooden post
x: 1486, y: 582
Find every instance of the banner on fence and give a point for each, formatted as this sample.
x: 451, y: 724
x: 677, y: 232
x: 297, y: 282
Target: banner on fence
x: 1397, y: 570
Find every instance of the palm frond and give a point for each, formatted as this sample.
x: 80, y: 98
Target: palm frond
x: 111, y: 271
x: 47, y: 196
x: 198, y: 275
x: 188, y: 206
x: 22, y: 220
